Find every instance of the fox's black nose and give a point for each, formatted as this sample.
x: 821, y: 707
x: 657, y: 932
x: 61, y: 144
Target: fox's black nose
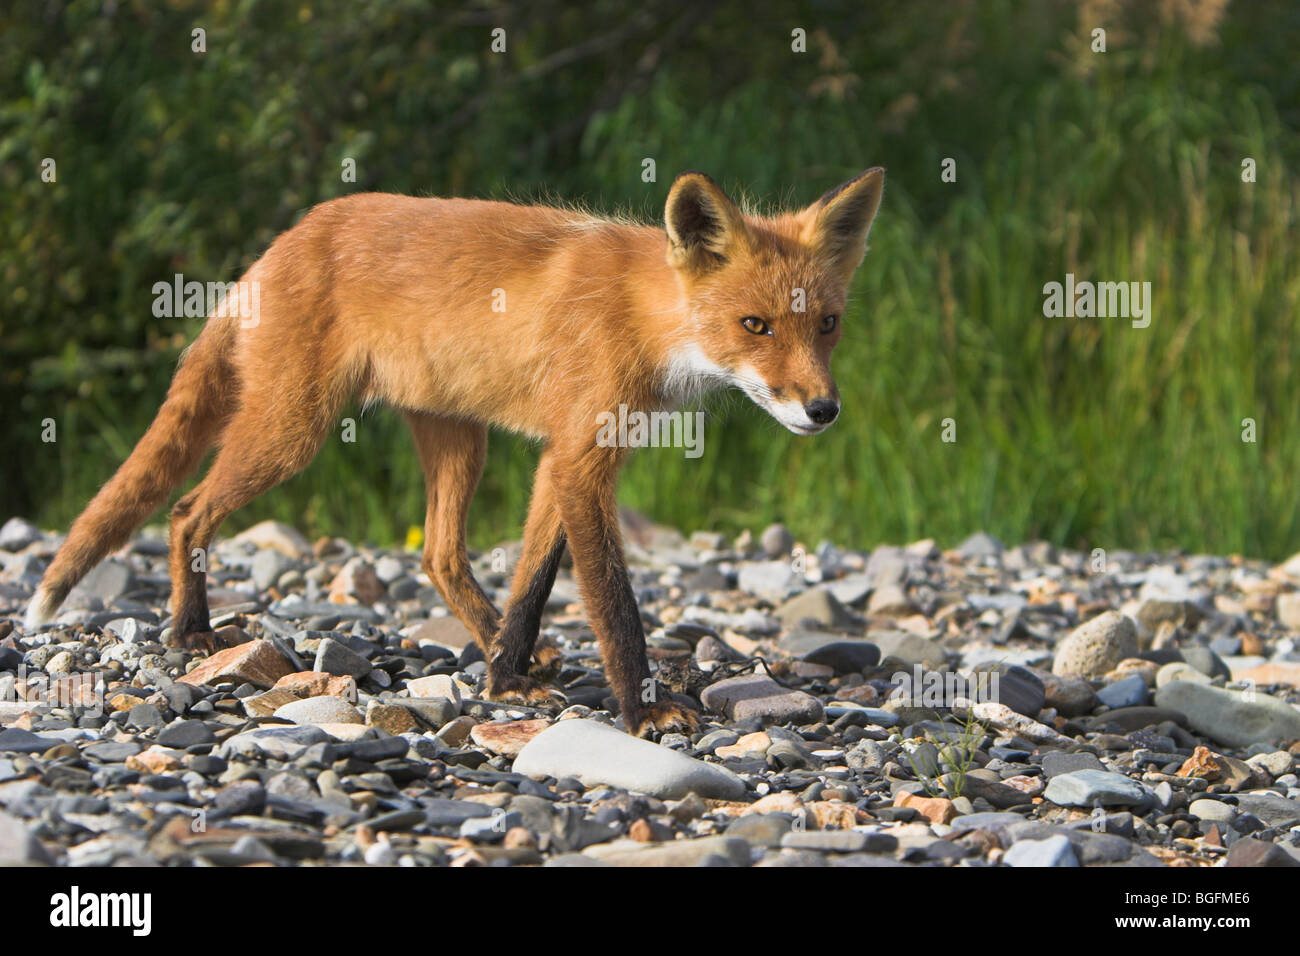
x: 822, y: 410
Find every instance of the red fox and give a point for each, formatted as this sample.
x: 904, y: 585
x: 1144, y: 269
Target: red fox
x: 464, y: 314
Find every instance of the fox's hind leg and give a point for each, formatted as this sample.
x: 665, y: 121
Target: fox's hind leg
x: 510, y: 675
x: 266, y: 442
x: 452, y: 452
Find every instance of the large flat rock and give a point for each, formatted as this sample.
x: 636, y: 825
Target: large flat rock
x: 596, y: 753
x: 1231, y: 717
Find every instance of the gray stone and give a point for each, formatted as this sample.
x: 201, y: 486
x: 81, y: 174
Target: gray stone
x: 711, y: 741
x: 1179, y: 670
x: 866, y: 755
x: 707, y: 540
x: 445, y: 631
x: 1213, y: 811
x: 974, y: 787
x: 1070, y: 696
x: 818, y: 605
x: 333, y: 657
x: 761, y: 829
x: 910, y: 649
x: 1096, y: 646
x: 388, y: 569
x: 144, y: 717
x: 1089, y: 788
x: 702, y: 851
x: 1228, y: 717
x: 571, y: 829
x: 18, y: 845
x: 183, y: 734
x: 441, y: 812
x: 1274, y: 809
x: 710, y: 648
x: 836, y: 841
x: 240, y: 798
x: 997, y: 602
x: 1058, y: 762
x: 325, y: 709
x: 1107, y: 849
x: 887, y: 565
x: 574, y: 859
x: 767, y: 579
x: 436, y: 711
x: 435, y: 685
x: 908, y: 710
x: 1279, y: 763
x: 1251, y: 852
x: 851, y: 590
x: 980, y: 545
x: 890, y: 600
x: 1054, y: 851
x: 133, y: 631
x: 1226, y: 646
x: 844, y: 657
x: 17, y: 534
x: 922, y: 757
x: 996, y: 823
x: 1129, y: 691
x: 268, y: 565
x: 108, y: 581
x: 755, y: 695
x: 1157, y: 612
x: 596, y: 753
x: 1090, y: 848
x: 1130, y: 719
x: 280, y: 742
x: 1021, y: 690
x: 1288, y: 605
x: 777, y: 541
x: 1206, y: 661
x: 17, y: 740
x: 490, y: 829
x: 535, y: 813
x: 111, y: 751
x: 787, y: 755
x: 1167, y: 584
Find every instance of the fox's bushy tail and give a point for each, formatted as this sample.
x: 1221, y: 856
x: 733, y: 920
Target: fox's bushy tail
x: 201, y: 396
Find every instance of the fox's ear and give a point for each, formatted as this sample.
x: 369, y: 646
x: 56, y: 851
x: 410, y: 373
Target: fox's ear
x: 704, y: 226
x: 838, y: 223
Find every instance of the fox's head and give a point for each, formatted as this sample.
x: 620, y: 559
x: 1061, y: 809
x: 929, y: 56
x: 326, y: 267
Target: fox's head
x: 766, y: 296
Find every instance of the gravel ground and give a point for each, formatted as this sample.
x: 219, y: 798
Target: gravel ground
x: 907, y: 706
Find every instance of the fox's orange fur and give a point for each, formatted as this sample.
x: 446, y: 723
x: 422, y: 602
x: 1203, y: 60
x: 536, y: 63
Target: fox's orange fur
x: 392, y: 298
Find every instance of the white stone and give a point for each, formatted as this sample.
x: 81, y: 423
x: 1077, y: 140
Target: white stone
x: 325, y: 709
x: 596, y: 754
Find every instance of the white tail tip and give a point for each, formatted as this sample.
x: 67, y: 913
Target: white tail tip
x: 40, y: 611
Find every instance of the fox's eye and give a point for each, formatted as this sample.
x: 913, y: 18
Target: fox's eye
x: 753, y: 323
x: 829, y: 323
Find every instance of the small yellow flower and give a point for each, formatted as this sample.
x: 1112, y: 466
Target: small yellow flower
x: 414, y: 538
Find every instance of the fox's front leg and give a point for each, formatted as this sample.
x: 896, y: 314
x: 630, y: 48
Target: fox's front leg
x: 584, y: 492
